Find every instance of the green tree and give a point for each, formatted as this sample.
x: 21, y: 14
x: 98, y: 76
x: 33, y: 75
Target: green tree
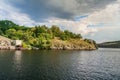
x: 56, y: 31
x: 11, y: 33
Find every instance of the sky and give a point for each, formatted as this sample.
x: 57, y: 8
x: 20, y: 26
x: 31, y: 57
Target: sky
x: 94, y: 19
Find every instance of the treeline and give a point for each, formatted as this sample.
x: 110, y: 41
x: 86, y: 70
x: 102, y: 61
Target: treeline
x: 37, y: 36
x: 112, y: 44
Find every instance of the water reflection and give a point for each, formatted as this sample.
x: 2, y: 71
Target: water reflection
x: 17, y: 57
x: 102, y: 64
x: 17, y: 60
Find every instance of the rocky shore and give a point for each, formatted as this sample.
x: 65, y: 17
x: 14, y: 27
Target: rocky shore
x: 56, y: 44
x: 73, y: 44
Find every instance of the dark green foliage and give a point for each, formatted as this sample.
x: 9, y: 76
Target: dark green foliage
x: 56, y: 31
x: 5, y: 24
x: 68, y: 35
x: 38, y: 36
x: 112, y: 44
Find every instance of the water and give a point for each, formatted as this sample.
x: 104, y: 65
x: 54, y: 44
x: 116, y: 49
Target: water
x: 102, y: 64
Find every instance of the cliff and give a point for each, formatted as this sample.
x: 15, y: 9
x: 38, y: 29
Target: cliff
x: 58, y: 44
x: 73, y: 44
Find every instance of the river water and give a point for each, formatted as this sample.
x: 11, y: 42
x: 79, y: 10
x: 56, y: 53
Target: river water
x: 101, y: 64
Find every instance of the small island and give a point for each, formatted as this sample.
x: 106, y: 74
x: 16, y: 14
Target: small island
x: 13, y: 36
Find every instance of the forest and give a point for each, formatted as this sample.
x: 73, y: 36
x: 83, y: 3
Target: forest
x: 37, y: 36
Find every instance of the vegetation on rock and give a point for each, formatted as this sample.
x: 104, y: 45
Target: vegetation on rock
x: 43, y: 37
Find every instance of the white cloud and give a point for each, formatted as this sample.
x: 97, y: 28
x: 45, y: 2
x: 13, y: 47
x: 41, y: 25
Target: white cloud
x: 106, y: 34
x: 11, y: 13
x: 74, y: 26
x: 109, y: 16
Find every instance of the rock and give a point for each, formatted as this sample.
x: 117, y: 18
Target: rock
x: 73, y: 44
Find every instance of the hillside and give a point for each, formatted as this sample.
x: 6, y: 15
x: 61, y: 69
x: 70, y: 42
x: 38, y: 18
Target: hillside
x: 113, y: 44
x: 43, y: 37
x: 73, y: 44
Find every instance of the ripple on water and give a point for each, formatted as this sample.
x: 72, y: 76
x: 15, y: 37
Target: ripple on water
x: 60, y: 65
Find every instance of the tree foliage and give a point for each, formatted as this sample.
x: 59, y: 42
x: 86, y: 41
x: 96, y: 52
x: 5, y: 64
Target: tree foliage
x: 38, y: 36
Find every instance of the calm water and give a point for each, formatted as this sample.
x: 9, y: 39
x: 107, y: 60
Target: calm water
x: 102, y: 64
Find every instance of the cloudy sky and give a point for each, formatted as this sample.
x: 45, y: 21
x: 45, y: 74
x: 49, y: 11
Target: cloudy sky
x: 94, y: 19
